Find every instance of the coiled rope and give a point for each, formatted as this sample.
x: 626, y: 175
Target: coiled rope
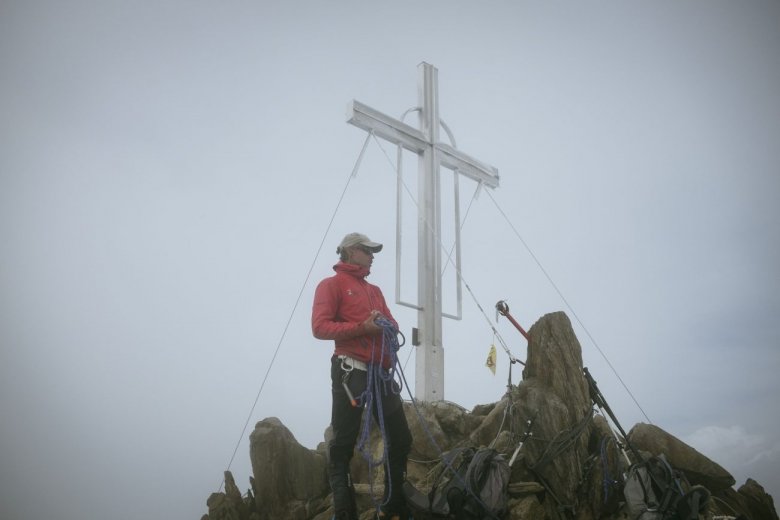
x: 380, y: 379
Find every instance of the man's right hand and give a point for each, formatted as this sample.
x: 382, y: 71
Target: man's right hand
x: 369, y: 325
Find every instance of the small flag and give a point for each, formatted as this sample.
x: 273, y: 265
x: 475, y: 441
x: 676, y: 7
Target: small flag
x: 491, y: 359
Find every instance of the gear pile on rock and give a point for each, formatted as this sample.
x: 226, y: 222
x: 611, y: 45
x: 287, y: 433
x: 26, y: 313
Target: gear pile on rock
x: 570, y: 463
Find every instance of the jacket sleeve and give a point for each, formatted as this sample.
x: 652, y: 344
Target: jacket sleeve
x: 325, y: 321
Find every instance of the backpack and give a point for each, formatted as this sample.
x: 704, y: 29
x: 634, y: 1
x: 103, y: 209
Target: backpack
x: 655, y: 491
x: 472, y: 486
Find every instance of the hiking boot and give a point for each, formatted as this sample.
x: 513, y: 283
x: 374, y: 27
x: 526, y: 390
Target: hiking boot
x: 343, y: 492
x: 383, y: 516
x: 393, y: 514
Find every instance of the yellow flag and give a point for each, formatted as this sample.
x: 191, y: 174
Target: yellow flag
x: 491, y: 359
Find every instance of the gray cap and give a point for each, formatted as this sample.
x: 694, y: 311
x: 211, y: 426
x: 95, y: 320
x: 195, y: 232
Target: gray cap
x: 358, y: 239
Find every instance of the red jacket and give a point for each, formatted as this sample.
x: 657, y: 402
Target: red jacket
x: 341, y: 304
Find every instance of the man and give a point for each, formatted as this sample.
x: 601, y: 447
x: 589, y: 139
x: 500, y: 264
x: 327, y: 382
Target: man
x: 351, y: 311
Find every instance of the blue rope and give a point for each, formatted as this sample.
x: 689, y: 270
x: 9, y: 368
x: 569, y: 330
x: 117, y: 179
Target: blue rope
x: 380, y: 375
x: 378, y: 380
x: 607, y: 479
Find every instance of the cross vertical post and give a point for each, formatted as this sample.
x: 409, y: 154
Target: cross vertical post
x: 432, y: 154
x: 429, y: 359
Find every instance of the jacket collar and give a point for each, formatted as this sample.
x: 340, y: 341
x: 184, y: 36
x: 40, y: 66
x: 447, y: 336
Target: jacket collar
x: 358, y: 271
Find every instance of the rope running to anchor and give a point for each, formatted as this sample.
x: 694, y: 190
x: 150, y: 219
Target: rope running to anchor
x: 295, y: 306
x: 541, y: 267
x: 568, y: 306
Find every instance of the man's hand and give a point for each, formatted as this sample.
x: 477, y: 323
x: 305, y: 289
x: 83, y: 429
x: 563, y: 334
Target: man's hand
x: 369, y: 325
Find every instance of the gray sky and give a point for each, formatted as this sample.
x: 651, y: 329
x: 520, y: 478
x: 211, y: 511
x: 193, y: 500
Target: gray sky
x: 167, y: 173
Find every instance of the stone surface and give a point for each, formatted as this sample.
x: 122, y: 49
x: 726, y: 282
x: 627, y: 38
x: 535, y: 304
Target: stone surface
x: 566, y: 461
x: 228, y: 505
x: 697, y: 468
x: 286, y: 475
x: 554, y: 397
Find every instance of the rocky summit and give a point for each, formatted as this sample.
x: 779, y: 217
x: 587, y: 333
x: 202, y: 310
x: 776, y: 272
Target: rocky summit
x: 569, y: 460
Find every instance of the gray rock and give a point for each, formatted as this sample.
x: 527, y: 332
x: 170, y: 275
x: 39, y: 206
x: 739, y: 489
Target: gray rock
x: 697, y: 468
x: 562, y: 465
x: 286, y: 475
x: 228, y: 505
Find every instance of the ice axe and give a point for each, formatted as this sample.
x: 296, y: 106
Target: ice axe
x: 503, y: 309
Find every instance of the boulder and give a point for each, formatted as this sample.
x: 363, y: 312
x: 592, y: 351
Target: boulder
x: 698, y: 469
x: 553, y: 398
x: 555, y: 362
x: 750, y: 501
x: 287, y: 476
x: 759, y: 504
x: 228, y: 505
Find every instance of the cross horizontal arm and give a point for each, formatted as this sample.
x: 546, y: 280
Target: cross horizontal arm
x: 467, y: 165
x: 395, y: 131
x: 399, y: 133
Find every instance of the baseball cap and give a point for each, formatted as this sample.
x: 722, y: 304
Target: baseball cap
x: 354, y: 239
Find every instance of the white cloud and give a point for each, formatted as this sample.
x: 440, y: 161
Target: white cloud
x: 743, y: 454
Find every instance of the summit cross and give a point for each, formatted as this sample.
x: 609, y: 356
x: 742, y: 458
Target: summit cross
x: 432, y: 154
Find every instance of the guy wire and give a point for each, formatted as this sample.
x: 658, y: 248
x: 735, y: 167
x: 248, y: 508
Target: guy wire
x: 544, y: 271
x: 568, y: 306
x: 295, y: 305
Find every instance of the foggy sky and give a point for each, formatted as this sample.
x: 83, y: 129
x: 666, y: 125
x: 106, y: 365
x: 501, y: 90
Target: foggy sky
x: 168, y: 172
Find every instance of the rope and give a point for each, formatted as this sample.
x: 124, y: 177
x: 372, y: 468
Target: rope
x: 568, y: 306
x: 607, y: 479
x: 562, y: 442
x: 379, y: 380
x: 295, y: 307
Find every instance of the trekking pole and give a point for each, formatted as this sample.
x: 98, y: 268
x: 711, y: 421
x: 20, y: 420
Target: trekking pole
x: 598, y: 399
x: 503, y: 309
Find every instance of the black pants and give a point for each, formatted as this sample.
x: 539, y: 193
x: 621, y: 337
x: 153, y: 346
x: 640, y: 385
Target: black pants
x: 346, y: 421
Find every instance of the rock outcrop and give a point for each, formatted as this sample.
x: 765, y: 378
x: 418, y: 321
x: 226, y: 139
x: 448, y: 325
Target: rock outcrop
x: 568, y: 463
x: 289, y: 480
x: 697, y: 468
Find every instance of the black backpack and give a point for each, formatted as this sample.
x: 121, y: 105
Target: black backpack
x: 654, y: 490
x: 471, y: 486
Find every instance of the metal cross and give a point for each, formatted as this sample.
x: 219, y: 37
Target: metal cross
x: 429, y: 368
